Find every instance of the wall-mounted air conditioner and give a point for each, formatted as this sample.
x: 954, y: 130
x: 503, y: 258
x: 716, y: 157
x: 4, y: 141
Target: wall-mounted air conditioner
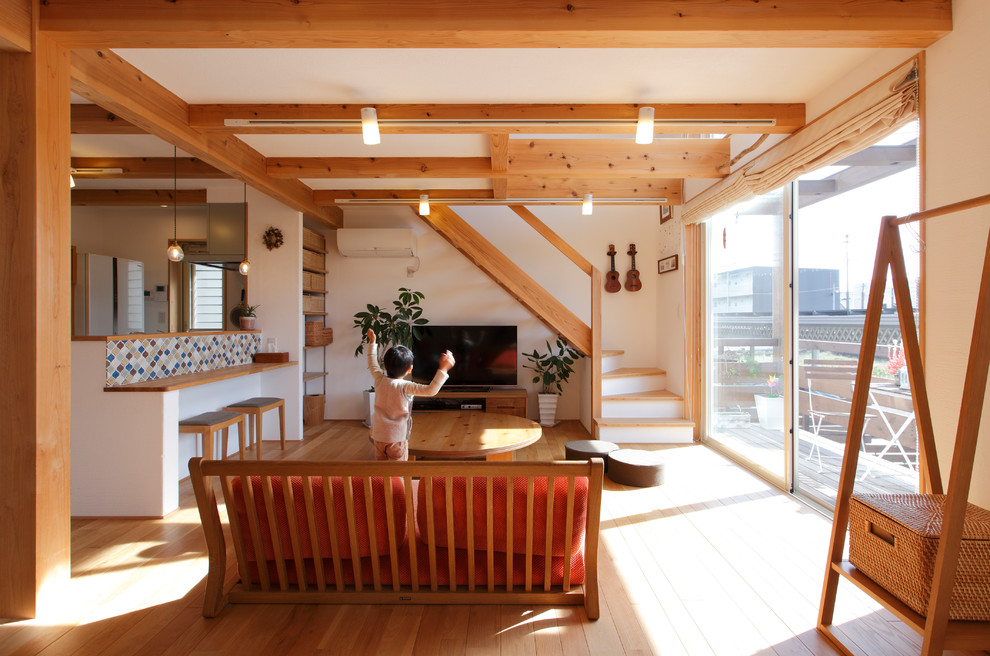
x: 372, y: 242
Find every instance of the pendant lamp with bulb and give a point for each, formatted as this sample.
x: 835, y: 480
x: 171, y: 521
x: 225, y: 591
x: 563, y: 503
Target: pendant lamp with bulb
x: 245, y: 265
x: 587, y: 205
x: 174, y: 252
x: 424, y: 204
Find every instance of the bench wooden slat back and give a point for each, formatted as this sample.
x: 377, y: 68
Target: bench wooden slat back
x: 280, y: 531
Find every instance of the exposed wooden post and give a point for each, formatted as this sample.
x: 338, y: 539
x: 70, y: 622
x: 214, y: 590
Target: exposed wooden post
x: 35, y: 305
x: 596, y: 350
x: 854, y: 435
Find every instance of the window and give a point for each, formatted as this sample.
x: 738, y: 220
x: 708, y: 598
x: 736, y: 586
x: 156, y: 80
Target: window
x: 206, y: 299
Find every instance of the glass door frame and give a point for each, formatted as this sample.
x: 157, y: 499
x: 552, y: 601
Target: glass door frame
x: 788, y: 343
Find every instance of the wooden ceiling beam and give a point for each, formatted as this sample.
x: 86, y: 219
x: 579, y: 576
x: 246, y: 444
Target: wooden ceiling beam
x: 776, y: 118
x: 603, y: 189
x: 613, y: 158
x: 496, y: 24
x: 380, y: 167
x: 93, y: 119
x: 543, y: 158
x: 143, y: 168
x: 157, y: 197
x: 102, y: 77
x: 16, y: 25
x: 499, y: 146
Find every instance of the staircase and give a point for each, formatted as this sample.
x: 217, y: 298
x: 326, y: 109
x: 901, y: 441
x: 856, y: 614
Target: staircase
x: 637, y: 409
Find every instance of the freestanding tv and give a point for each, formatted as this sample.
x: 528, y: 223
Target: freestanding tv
x: 486, y: 356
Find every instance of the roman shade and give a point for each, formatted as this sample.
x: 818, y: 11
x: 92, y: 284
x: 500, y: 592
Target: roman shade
x: 862, y: 120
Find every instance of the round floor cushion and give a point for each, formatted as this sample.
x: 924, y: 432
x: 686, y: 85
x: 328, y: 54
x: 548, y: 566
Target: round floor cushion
x: 636, y: 467
x: 584, y: 449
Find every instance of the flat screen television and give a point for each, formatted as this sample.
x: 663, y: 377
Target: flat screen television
x: 485, y: 355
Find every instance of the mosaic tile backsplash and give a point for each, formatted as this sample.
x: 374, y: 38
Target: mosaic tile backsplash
x: 137, y: 360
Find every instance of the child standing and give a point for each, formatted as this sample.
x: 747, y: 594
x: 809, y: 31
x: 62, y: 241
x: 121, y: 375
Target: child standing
x: 392, y: 423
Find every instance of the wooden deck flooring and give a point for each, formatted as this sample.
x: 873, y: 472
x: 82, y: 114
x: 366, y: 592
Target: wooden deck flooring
x: 873, y: 476
x: 712, y: 562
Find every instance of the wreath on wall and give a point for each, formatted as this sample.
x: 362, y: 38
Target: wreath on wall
x: 273, y: 238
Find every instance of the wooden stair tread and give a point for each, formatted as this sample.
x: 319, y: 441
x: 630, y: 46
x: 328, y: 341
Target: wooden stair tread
x: 644, y: 421
x: 652, y: 395
x: 609, y: 353
x: 627, y: 372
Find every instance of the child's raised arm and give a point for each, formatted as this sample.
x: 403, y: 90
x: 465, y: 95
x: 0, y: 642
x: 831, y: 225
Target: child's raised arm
x: 371, y: 336
x: 446, y: 361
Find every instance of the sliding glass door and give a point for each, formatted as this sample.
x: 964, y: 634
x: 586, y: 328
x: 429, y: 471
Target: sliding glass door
x: 746, y: 295
x: 786, y: 301
x: 839, y: 215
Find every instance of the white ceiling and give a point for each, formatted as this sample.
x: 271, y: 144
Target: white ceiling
x: 345, y: 76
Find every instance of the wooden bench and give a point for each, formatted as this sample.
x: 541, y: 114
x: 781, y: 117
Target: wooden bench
x: 423, y: 539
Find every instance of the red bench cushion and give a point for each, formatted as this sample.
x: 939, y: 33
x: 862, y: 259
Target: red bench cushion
x: 360, y: 520
x: 519, y: 523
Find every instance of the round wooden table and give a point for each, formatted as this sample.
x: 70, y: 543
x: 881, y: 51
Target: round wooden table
x: 470, y: 434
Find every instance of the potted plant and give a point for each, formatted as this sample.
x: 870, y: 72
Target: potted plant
x: 247, y: 316
x: 401, y: 326
x: 553, y: 369
x: 770, y: 406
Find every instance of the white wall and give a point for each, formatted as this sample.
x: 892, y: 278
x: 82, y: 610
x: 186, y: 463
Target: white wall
x: 958, y: 143
x: 458, y: 292
x: 275, y: 284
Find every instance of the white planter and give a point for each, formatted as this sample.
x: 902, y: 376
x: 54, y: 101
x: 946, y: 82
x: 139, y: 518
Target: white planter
x: 548, y: 409
x: 369, y: 407
x: 770, y: 411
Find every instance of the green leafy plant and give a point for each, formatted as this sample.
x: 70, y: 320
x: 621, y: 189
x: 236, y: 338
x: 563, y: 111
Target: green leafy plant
x: 553, y: 369
x: 401, y: 326
x: 248, y: 310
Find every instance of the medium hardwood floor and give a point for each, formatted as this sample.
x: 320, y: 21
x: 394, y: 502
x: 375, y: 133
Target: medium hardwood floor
x: 712, y: 562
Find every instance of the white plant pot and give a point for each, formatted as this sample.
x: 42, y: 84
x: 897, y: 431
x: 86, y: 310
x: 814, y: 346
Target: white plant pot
x: 369, y: 407
x: 548, y: 409
x: 770, y: 411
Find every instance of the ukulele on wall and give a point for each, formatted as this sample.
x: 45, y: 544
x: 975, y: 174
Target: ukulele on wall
x: 612, y: 283
x: 633, y: 283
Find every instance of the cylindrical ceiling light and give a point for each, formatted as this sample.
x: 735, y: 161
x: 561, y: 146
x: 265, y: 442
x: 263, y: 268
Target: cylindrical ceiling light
x: 644, y: 126
x: 174, y: 251
x: 424, y: 204
x: 586, y: 205
x: 369, y: 126
x: 245, y: 265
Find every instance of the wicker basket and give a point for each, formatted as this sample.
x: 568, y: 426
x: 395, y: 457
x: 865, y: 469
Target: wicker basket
x: 313, y: 303
x: 313, y: 239
x: 893, y: 539
x: 317, y: 334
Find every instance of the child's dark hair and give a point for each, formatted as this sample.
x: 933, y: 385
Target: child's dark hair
x: 397, y: 360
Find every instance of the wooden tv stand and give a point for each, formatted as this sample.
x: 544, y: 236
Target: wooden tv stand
x: 506, y: 401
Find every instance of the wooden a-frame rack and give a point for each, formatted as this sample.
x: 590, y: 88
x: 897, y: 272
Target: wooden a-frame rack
x: 939, y: 633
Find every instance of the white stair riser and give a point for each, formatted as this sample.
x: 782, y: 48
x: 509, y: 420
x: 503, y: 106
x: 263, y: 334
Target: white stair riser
x: 646, y: 434
x: 672, y: 409
x: 628, y: 384
x: 611, y: 363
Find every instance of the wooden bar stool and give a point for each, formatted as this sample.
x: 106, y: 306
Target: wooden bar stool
x: 209, y: 423
x: 257, y: 407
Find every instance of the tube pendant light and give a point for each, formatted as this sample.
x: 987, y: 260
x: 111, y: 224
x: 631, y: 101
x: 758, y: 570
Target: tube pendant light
x: 424, y: 204
x: 586, y: 205
x: 369, y: 126
x: 644, y: 126
x: 245, y: 264
x: 174, y: 252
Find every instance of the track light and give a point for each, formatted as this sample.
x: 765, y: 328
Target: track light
x: 424, y: 204
x: 644, y: 126
x: 244, y: 267
x: 586, y: 205
x: 369, y: 126
x: 72, y: 182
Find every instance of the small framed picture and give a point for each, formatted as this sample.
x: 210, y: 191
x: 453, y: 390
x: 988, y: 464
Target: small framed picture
x: 665, y: 214
x: 667, y: 264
